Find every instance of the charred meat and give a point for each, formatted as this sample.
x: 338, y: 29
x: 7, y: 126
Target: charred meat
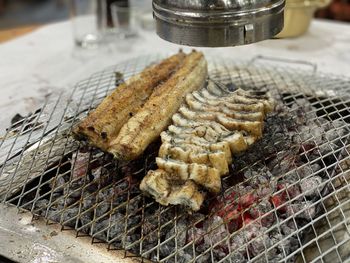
x: 103, y: 124
x: 135, y: 114
x: 155, y: 116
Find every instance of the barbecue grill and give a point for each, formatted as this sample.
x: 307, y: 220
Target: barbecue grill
x: 285, y: 200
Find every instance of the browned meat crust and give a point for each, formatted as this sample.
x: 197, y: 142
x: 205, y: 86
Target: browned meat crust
x: 103, y: 124
x: 154, y: 117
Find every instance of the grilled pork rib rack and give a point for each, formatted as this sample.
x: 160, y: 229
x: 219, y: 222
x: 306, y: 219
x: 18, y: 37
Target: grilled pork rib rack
x: 197, y: 148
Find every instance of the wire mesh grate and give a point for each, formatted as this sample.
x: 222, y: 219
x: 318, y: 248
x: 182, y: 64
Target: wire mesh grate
x: 285, y: 199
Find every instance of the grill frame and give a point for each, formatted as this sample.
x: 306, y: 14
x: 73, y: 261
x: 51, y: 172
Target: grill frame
x: 48, y: 130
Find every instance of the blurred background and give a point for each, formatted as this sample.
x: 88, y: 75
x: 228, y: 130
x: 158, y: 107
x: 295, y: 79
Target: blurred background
x: 19, y: 16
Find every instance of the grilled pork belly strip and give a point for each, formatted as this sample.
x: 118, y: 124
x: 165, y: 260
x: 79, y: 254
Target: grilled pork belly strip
x: 155, y: 115
x: 104, y: 123
x: 208, y: 129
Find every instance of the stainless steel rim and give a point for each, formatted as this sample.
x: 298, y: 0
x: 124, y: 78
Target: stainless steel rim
x: 218, y: 28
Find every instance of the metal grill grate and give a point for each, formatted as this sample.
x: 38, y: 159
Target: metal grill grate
x: 286, y: 199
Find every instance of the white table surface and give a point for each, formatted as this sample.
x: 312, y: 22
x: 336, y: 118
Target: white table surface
x: 45, y: 62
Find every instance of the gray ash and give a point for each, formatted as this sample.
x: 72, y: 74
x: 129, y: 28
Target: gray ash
x: 268, y: 196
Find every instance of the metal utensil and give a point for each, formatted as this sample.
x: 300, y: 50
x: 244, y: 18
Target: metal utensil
x: 213, y: 23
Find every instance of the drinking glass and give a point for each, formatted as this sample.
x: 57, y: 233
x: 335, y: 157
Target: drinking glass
x: 88, y: 20
x: 124, y: 20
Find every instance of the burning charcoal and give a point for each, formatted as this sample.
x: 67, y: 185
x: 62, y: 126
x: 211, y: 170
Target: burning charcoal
x: 327, y: 147
x: 304, y: 110
x: 197, y: 218
x: 99, y: 229
x: 234, y: 257
x: 85, y: 219
x: 238, y: 242
x: 230, y: 209
x: 261, y: 258
x: 309, y: 186
x: 205, y: 258
x: 102, y: 208
x: 294, y: 192
x: 254, y: 231
x: 133, y: 221
x: 249, y: 173
x: 264, y: 211
x: 73, y: 189
x: 58, y: 184
x: 283, y: 164
x: 335, y: 129
x: 181, y: 232
x: 265, y: 190
x: 165, y: 249
x: 42, y: 203
x: 185, y: 256
x: 133, y: 205
x: 241, y: 189
x: 273, y: 255
x: 106, y: 178
x: 166, y: 216
x: 284, y: 244
x: 338, y: 124
x: 115, y: 225
x: 196, y: 235
x: 246, y: 200
x: 289, y: 245
x: 219, y: 252
x: 63, y: 201
x: 129, y: 243
x: 308, y: 210
x: 278, y: 201
x: 290, y: 191
x: 54, y: 215
x: 73, y: 194
x: 58, y: 203
x: 106, y: 194
x: 69, y: 201
x: 96, y: 173
x: 291, y: 176
x: 88, y: 201
x: 149, y: 229
x: 305, y: 171
x: 121, y: 187
x: 256, y: 178
x: 68, y: 216
x: 312, y: 132
x: 215, y: 226
x: 80, y: 163
x: 258, y: 245
x: 288, y: 227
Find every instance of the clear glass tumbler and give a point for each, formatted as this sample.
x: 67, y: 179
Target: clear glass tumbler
x: 88, y: 21
x: 124, y: 19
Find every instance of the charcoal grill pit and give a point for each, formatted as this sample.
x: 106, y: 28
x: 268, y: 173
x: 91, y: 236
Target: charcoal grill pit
x: 286, y: 199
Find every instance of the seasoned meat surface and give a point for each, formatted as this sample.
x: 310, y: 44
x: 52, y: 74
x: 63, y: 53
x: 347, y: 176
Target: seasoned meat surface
x: 155, y: 116
x: 103, y: 124
x: 209, y: 128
